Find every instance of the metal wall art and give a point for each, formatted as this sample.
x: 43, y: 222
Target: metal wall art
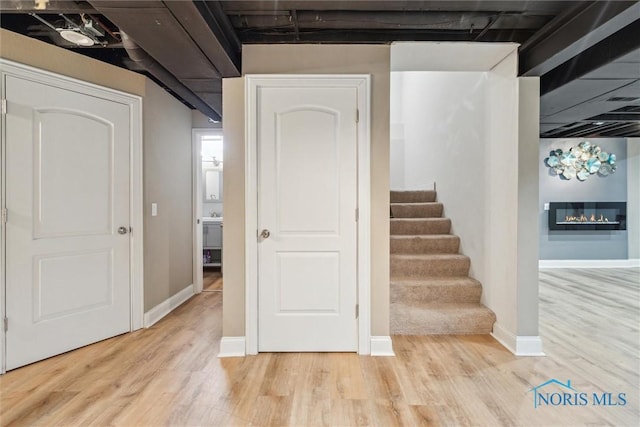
x: 581, y: 161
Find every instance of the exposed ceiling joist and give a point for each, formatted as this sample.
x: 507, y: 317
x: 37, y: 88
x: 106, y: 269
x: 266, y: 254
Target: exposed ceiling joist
x: 589, y: 85
x: 177, y: 36
x: 604, y: 52
x: 244, y: 7
x: 579, y: 29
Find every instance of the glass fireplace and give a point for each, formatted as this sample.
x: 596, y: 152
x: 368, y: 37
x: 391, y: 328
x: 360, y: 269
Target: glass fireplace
x: 588, y: 216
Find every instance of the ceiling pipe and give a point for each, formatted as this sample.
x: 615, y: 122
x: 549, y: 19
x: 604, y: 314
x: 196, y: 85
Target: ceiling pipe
x: 142, y: 58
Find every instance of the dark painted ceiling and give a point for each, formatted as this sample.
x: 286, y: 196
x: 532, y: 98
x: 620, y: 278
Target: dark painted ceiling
x: 587, y: 53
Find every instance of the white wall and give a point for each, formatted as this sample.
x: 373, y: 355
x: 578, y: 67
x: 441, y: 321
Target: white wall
x: 461, y: 129
x: 500, y: 255
x: 435, y: 115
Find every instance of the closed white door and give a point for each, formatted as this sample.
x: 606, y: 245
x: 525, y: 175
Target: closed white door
x: 307, y: 199
x: 67, y: 195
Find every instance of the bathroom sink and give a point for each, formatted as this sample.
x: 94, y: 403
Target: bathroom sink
x: 212, y: 219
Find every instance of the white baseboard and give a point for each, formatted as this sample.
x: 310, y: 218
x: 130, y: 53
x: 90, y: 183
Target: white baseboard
x: 381, y: 346
x: 588, y: 263
x: 518, y: 345
x: 167, y: 306
x: 232, y: 347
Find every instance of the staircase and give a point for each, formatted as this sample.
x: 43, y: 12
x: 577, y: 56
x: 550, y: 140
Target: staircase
x: 431, y: 291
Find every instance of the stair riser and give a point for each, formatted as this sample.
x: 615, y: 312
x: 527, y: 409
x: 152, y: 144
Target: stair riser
x: 417, y: 211
x: 445, y: 245
x: 413, y: 196
x: 421, y: 294
x: 439, y: 226
x: 429, y: 268
x: 436, y: 324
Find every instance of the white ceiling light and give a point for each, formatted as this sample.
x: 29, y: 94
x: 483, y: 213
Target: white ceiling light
x: 76, y: 37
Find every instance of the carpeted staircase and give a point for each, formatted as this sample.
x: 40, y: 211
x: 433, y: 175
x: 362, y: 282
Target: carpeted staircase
x: 431, y: 291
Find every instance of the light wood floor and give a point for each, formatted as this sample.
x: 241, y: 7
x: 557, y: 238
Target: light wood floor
x: 211, y: 280
x: 169, y: 374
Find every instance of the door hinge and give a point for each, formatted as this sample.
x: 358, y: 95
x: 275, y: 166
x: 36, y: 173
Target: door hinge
x: 357, y: 214
x: 4, y: 106
x: 357, y: 310
x: 4, y: 215
x: 357, y: 115
x: 6, y: 324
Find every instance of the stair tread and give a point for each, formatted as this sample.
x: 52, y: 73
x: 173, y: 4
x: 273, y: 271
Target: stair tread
x: 431, y: 257
x: 446, y: 306
x: 424, y: 236
x: 435, y: 281
x: 415, y: 203
x: 413, y: 195
x: 441, y: 318
x: 409, y: 219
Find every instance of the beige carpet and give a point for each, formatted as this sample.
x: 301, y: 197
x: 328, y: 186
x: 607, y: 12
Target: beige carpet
x: 431, y: 291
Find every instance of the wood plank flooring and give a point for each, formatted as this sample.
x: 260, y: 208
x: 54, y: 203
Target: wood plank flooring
x: 212, y: 279
x: 169, y: 374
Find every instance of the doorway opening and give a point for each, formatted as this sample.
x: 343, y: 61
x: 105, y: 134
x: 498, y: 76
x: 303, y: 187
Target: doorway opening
x: 208, y: 158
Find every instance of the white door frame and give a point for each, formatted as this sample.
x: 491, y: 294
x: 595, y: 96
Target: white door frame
x: 196, y: 148
x: 362, y: 84
x: 135, y: 186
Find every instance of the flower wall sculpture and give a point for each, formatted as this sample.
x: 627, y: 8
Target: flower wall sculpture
x: 581, y: 161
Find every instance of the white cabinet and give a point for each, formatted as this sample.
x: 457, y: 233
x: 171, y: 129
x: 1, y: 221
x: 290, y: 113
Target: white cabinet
x: 212, y: 244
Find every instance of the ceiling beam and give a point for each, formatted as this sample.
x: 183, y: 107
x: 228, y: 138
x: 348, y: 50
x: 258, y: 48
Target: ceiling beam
x: 547, y: 7
x: 332, y: 20
x: 161, y: 43
x: 582, y: 28
x: 613, y: 47
x: 206, y: 29
x: 377, y: 36
x: 226, y: 39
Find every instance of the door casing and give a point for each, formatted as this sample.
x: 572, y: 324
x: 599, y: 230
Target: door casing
x: 135, y: 185
x: 362, y: 84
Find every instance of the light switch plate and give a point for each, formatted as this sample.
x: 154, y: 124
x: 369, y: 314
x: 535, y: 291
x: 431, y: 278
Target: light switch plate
x: 154, y: 209
x: 546, y: 206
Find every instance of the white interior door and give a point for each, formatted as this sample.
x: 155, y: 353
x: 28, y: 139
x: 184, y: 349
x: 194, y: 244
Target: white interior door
x: 67, y: 195
x: 307, y: 200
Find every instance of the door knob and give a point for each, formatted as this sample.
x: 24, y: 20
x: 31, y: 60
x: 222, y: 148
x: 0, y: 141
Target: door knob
x: 265, y: 234
x: 122, y: 230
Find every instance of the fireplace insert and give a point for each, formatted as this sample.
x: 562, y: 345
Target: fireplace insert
x: 588, y: 216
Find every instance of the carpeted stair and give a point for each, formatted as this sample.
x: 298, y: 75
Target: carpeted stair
x: 431, y: 291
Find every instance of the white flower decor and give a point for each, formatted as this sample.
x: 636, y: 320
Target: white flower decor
x: 581, y: 161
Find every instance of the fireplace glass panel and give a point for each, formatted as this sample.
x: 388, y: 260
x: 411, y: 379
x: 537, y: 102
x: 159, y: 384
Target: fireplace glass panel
x: 588, y: 216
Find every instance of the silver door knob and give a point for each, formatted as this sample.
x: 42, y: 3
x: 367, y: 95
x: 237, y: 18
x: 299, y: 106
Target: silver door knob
x: 265, y: 234
x: 122, y: 230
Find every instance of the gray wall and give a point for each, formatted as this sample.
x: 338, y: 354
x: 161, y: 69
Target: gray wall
x: 584, y: 245
x: 528, y: 189
x: 633, y: 195
x: 168, y: 237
